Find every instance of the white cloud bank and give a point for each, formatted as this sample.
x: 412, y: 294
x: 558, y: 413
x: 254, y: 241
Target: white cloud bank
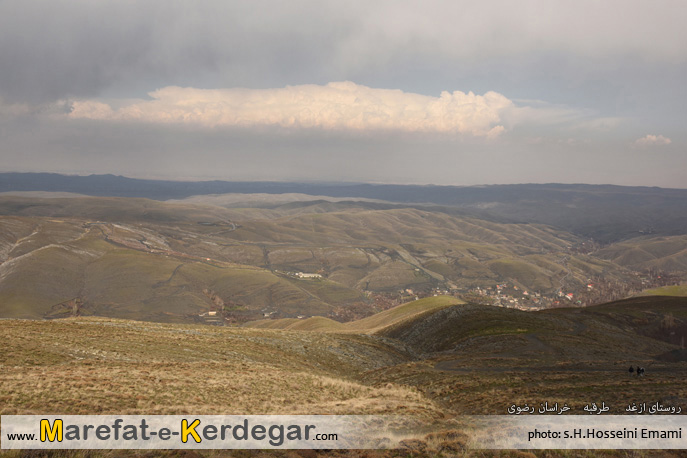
x: 651, y: 140
x: 335, y: 106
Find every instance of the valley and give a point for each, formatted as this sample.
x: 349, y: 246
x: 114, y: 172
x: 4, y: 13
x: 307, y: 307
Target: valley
x: 195, y: 262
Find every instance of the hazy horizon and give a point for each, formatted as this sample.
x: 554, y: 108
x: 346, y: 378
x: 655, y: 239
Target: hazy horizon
x: 308, y: 181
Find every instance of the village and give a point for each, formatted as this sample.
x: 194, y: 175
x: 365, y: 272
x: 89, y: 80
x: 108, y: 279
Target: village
x: 596, y: 290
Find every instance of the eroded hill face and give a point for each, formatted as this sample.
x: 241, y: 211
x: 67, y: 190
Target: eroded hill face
x: 172, y: 262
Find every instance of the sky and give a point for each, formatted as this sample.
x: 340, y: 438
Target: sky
x: 431, y: 92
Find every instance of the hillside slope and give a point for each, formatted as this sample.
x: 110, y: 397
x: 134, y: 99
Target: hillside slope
x: 171, y: 262
x: 634, y: 328
x: 604, y: 212
x: 128, y: 367
x: 649, y: 252
x: 431, y: 368
x: 371, y: 325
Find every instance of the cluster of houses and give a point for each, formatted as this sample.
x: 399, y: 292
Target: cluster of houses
x: 504, y: 295
x: 300, y: 275
x: 304, y: 275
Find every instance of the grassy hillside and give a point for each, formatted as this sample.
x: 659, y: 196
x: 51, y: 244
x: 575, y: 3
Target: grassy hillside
x: 141, y: 259
x: 604, y: 212
x: 675, y: 290
x: 110, y: 209
x: 372, y: 324
x: 402, y: 313
x: 430, y: 364
x: 663, y: 253
x: 125, y: 367
x: 63, y: 267
x: 483, y: 359
x: 313, y: 323
x: 560, y: 334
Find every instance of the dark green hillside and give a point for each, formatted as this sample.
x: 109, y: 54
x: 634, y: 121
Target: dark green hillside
x: 478, y: 359
x: 634, y: 327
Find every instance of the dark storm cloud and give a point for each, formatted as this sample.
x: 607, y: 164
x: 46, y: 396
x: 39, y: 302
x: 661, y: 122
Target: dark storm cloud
x: 51, y: 50
x: 57, y: 49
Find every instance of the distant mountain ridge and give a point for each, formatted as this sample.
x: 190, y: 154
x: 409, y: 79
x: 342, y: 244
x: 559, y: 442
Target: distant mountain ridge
x: 606, y: 213
x: 120, y: 186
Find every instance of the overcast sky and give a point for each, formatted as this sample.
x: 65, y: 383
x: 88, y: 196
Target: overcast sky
x: 441, y: 92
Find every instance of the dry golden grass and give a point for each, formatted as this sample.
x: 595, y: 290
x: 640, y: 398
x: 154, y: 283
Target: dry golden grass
x: 104, y: 366
x: 101, y: 387
x: 109, y: 366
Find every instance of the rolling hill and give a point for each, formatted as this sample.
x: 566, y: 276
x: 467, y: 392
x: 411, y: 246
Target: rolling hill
x: 125, y: 283
x: 649, y: 252
x: 371, y: 325
x: 140, y: 259
x: 136, y: 258
x: 603, y: 212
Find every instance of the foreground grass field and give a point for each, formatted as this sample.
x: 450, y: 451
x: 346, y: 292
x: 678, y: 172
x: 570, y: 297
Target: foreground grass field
x: 433, y: 361
x: 92, y: 365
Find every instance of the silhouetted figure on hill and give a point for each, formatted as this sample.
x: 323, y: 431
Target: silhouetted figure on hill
x: 632, y: 370
x: 640, y: 372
